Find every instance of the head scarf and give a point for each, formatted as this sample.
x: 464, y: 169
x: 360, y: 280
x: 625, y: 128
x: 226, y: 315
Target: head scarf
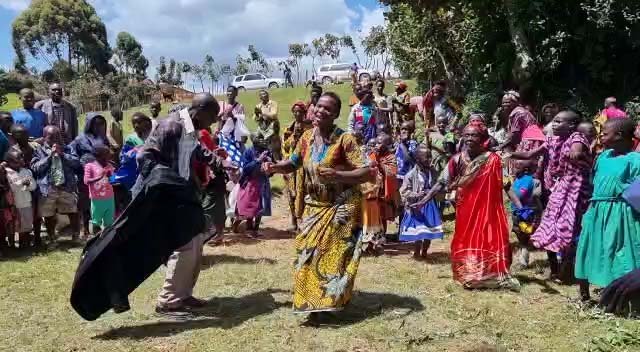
x: 480, y: 126
x: 512, y: 95
x: 614, y: 113
x: 402, y: 85
x: 302, y: 105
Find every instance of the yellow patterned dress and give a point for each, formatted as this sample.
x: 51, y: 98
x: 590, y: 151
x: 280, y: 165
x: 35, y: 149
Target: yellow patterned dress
x: 329, y: 244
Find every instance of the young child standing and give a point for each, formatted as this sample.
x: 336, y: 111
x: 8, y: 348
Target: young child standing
x: 254, y: 195
x: 115, y: 130
x: 7, y: 212
x: 421, y: 223
x: 381, y: 196
x: 96, y: 177
x: 405, y: 149
x: 610, y: 237
x: 22, y: 184
x: 524, y: 192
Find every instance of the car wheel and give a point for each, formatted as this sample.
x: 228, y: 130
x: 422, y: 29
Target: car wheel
x: 273, y: 85
x: 242, y: 89
x: 365, y: 76
x: 327, y: 80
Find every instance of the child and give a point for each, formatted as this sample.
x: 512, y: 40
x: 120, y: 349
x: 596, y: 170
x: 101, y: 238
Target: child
x: 155, y: 108
x: 22, y: 184
x: 524, y: 193
x: 254, y: 195
x: 142, y: 127
x: 589, y: 131
x: 7, y: 212
x: 442, y: 144
x: 421, y: 223
x: 96, y: 177
x: 380, y: 197
x: 288, y: 147
x: 608, y: 244
x: 405, y: 149
x: 115, y: 130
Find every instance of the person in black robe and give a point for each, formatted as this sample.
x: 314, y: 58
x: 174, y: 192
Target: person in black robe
x: 165, y: 214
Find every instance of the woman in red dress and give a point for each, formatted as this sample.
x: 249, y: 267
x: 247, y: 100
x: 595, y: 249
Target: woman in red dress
x: 480, y: 251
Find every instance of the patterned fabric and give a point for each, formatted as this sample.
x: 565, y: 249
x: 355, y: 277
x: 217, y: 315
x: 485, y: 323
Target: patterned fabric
x: 381, y: 198
x: 406, y: 162
x: 62, y: 115
x: 329, y: 243
x: 96, y: 177
x: 288, y: 147
x: 425, y: 223
x: 570, y: 191
x: 366, y: 115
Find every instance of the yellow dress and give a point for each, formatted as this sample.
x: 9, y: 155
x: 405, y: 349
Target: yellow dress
x: 329, y: 244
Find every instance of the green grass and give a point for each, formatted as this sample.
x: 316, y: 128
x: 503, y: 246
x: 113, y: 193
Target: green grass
x: 13, y: 102
x: 399, y: 305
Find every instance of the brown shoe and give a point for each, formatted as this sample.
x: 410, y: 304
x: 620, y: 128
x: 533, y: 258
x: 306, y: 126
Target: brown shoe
x: 192, y: 302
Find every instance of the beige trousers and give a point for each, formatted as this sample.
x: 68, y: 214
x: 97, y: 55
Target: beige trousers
x: 183, y: 268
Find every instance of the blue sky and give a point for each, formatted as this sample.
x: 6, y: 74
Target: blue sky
x: 194, y: 28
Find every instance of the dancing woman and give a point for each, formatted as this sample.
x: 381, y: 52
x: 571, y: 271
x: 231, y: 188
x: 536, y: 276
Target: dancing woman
x: 329, y: 241
x: 480, y: 251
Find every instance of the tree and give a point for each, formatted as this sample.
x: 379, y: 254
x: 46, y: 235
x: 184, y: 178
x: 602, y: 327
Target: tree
x: 347, y: 42
x: 171, y: 72
x: 226, y: 71
x: 186, y: 69
x: 297, y: 52
x: 242, y: 66
x: 53, y: 30
x: 257, y: 62
x: 332, y: 45
x: 317, y: 50
x: 375, y: 44
x: 128, y: 55
x: 200, y: 74
x: 212, y: 70
x: 543, y: 46
x: 161, y: 71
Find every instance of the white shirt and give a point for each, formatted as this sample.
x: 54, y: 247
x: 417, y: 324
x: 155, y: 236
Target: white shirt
x: 21, y: 193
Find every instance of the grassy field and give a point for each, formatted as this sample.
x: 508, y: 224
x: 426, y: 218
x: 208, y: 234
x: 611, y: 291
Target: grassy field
x: 399, y: 304
x: 12, y: 103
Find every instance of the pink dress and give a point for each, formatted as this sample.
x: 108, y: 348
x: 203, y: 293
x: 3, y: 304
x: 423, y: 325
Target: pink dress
x: 570, y: 185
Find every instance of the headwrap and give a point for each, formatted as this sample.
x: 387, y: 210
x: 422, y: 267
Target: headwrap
x: 614, y: 113
x: 480, y: 126
x: 401, y: 84
x: 300, y: 104
x: 477, y: 115
x: 512, y: 95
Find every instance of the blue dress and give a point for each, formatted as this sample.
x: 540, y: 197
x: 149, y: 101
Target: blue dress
x: 425, y: 223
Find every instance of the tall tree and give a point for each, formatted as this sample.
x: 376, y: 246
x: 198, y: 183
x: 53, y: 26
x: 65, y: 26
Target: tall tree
x: 186, y: 69
x: 375, y: 44
x: 200, y: 73
x: 317, y: 50
x: 225, y: 71
x: 171, y: 72
x: 347, y: 42
x: 297, y: 52
x: 242, y: 66
x: 332, y: 45
x: 212, y: 70
x: 161, y: 74
x: 66, y: 29
x: 128, y: 53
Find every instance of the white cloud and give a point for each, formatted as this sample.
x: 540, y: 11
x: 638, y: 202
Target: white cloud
x: 190, y: 29
x: 15, y: 5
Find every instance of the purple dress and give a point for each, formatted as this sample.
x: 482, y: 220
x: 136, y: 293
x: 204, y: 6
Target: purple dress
x: 570, y: 185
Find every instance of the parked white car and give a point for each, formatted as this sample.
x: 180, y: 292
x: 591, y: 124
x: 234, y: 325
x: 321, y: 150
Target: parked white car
x: 256, y: 81
x: 333, y: 73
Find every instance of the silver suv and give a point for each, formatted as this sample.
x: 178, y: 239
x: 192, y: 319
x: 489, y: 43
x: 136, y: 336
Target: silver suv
x: 256, y: 81
x: 332, y: 73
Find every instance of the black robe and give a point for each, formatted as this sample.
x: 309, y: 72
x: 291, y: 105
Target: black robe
x: 165, y: 215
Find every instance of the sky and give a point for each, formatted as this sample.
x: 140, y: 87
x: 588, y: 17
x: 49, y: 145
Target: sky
x: 187, y: 30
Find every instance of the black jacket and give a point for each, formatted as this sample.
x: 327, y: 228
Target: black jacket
x: 165, y: 215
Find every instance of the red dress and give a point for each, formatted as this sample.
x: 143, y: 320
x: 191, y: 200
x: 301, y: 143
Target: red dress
x: 480, y: 250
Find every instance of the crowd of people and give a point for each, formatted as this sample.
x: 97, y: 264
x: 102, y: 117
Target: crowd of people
x: 571, y: 184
